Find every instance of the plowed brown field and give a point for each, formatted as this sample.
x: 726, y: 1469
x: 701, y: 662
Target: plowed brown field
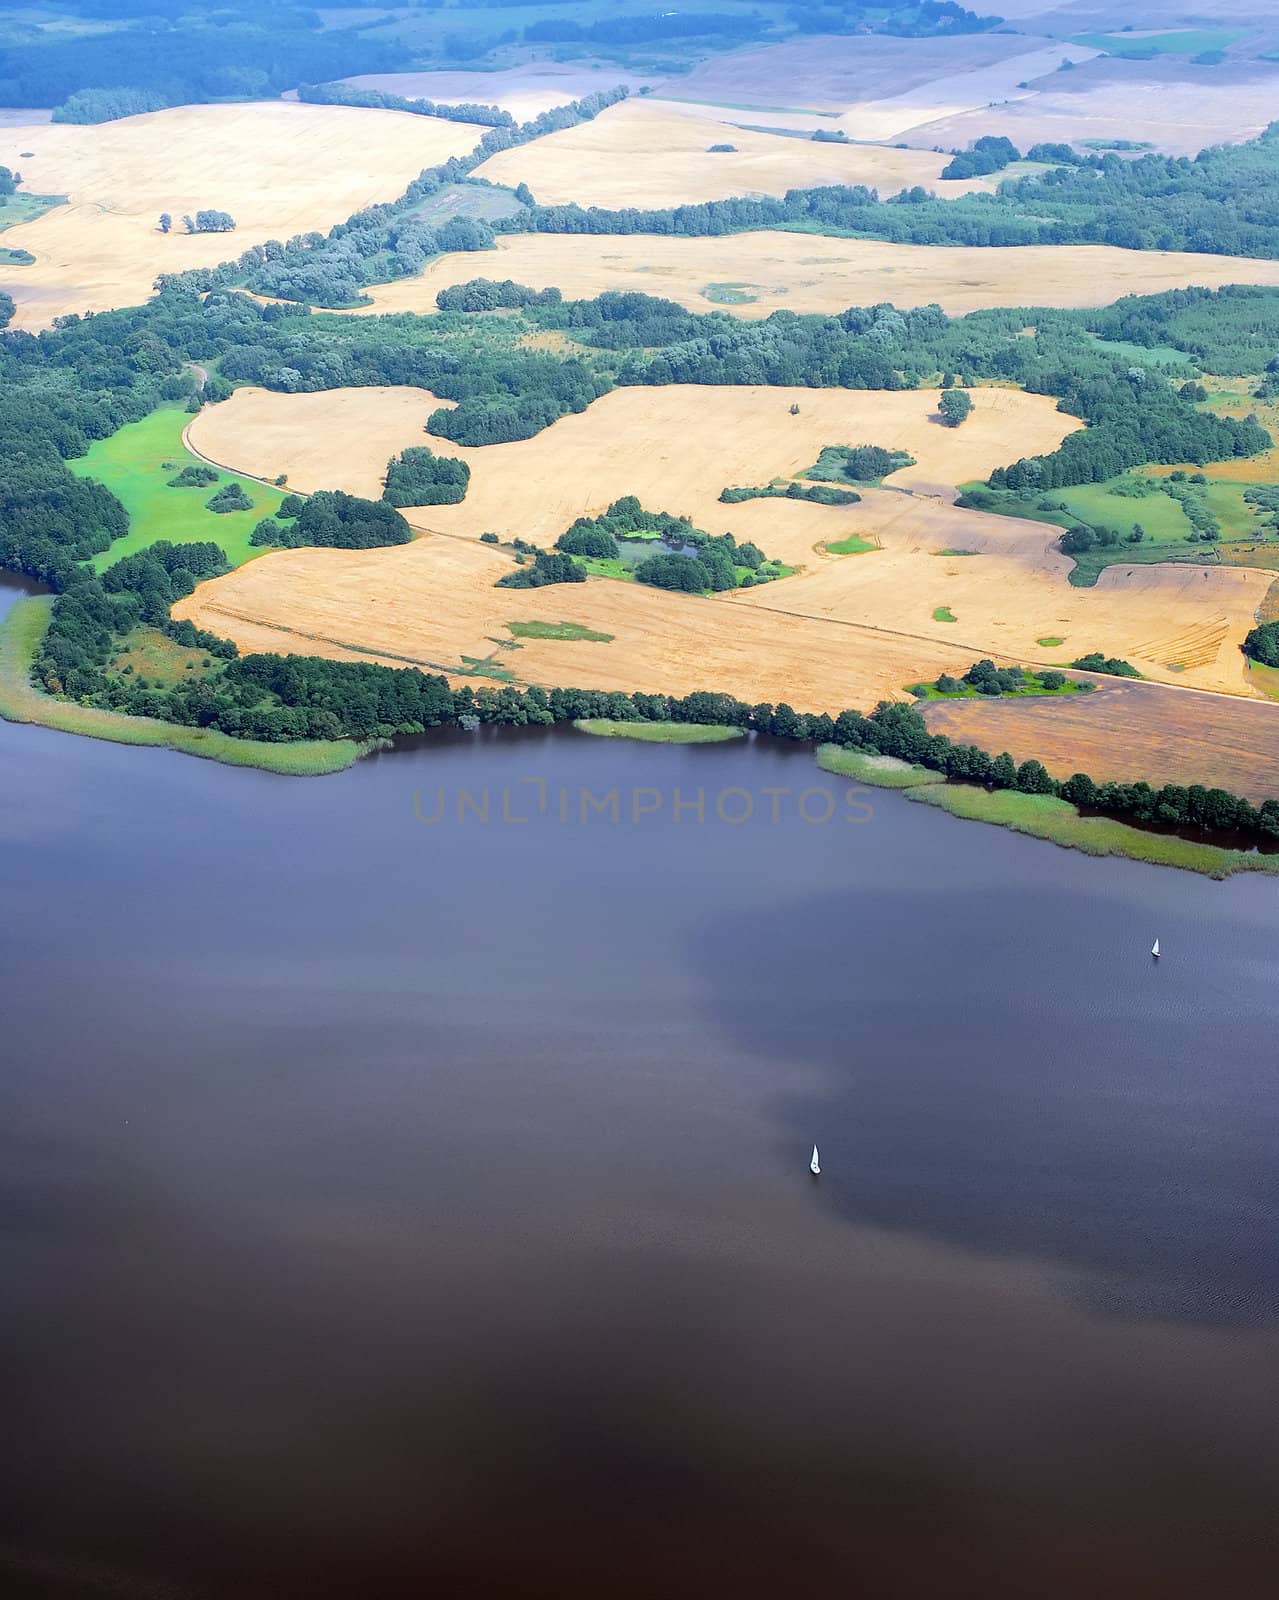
x: 1125, y: 731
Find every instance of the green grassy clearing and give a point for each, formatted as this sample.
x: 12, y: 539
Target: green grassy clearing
x: 729, y: 294
x: 943, y: 614
x: 572, y: 631
x: 21, y: 207
x: 659, y: 732
x: 1113, y: 504
x: 20, y: 636
x: 1050, y: 641
x: 157, y: 658
x: 1182, y: 42
x: 607, y: 567
x: 1264, y: 678
x: 1141, y: 355
x: 956, y: 552
x: 854, y: 545
x: 137, y: 461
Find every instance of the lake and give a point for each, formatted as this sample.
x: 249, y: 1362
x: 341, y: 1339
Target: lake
x: 397, y: 1206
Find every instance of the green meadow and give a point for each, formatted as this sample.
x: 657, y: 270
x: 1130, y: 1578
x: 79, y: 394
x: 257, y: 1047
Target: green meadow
x: 136, y: 463
x: 1182, y: 42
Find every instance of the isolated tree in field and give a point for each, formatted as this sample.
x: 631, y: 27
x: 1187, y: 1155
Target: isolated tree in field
x: 188, y: 223
x: 166, y: 222
x: 954, y: 405
x: 213, y: 222
x: 794, y: 411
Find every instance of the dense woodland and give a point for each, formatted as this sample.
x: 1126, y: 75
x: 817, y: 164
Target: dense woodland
x: 173, y: 53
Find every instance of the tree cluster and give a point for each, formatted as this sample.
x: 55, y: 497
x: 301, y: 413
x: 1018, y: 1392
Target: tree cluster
x: 991, y: 153
x: 336, y: 520
x: 418, y: 477
x: 547, y: 566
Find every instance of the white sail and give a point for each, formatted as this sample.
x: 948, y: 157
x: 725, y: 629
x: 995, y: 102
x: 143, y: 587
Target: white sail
x: 814, y: 1166
x: 1154, y: 949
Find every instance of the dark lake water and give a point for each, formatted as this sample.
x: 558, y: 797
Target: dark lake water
x: 400, y: 1208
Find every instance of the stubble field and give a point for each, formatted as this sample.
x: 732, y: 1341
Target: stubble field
x: 651, y: 153
x: 278, y: 168
x: 809, y: 273
x: 887, y: 607
x: 675, y: 447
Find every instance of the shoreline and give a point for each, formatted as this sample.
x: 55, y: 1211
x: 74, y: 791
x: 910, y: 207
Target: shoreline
x: 21, y: 631
x: 1041, y: 817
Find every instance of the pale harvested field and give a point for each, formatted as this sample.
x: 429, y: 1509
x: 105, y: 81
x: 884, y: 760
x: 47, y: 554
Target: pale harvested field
x: 651, y: 153
x: 525, y: 91
x: 831, y: 72
x: 805, y: 272
x: 675, y: 447
x: 1180, y: 624
x: 1179, y: 108
x: 967, y: 90
x: 1124, y: 731
x: 434, y: 601
x: 278, y: 168
x: 842, y: 630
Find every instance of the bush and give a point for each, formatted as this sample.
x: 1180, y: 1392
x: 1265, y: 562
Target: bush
x: 230, y: 497
x: 1114, y: 665
x: 547, y: 568
x: 1262, y: 644
x: 588, y: 541
x: 193, y: 477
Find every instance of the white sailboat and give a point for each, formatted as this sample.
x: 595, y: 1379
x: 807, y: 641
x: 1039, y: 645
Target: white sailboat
x: 1154, y: 949
x: 815, y: 1166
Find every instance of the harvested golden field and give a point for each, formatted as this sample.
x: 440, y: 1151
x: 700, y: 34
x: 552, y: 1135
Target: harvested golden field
x: 1182, y: 624
x: 278, y: 168
x: 675, y: 447
x: 806, y: 272
x: 1124, y: 731
x: 650, y: 153
x: 433, y: 602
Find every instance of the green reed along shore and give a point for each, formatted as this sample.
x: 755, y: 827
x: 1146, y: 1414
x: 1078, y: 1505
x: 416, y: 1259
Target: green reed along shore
x: 20, y: 701
x: 1042, y: 817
